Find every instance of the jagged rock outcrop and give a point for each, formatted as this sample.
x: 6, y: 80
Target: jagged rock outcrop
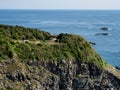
x: 62, y: 75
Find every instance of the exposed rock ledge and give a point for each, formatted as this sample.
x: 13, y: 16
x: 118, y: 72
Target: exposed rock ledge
x: 62, y: 75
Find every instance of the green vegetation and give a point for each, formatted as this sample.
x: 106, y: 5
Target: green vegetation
x: 21, y: 43
x: 21, y: 33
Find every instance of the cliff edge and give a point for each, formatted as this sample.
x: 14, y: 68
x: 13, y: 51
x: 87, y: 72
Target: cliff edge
x: 31, y: 59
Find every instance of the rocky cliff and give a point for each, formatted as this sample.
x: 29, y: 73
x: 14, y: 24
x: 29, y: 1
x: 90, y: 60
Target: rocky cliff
x: 31, y: 59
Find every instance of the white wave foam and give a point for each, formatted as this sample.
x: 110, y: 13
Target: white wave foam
x: 88, y: 25
x: 63, y: 23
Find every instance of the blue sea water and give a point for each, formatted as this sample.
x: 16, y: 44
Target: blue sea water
x: 82, y: 22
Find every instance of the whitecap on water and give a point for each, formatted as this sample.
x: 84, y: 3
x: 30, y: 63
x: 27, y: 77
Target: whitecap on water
x: 47, y: 22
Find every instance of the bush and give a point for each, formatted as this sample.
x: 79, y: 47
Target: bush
x: 67, y: 46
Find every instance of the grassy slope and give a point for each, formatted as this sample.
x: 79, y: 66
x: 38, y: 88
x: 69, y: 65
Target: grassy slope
x: 24, y: 44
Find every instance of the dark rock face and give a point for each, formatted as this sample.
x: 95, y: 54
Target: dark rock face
x: 60, y: 75
x: 81, y: 76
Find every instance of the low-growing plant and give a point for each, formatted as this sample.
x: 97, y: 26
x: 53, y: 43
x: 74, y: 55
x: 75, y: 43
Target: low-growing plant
x: 32, y: 44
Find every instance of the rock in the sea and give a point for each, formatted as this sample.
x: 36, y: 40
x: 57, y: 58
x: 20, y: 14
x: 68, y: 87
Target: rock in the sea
x: 104, y: 34
x: 92, y: 43
x: 104, y: 28
x: 117, y: 67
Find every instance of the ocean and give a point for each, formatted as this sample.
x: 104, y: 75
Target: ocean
x: 86, y: 23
